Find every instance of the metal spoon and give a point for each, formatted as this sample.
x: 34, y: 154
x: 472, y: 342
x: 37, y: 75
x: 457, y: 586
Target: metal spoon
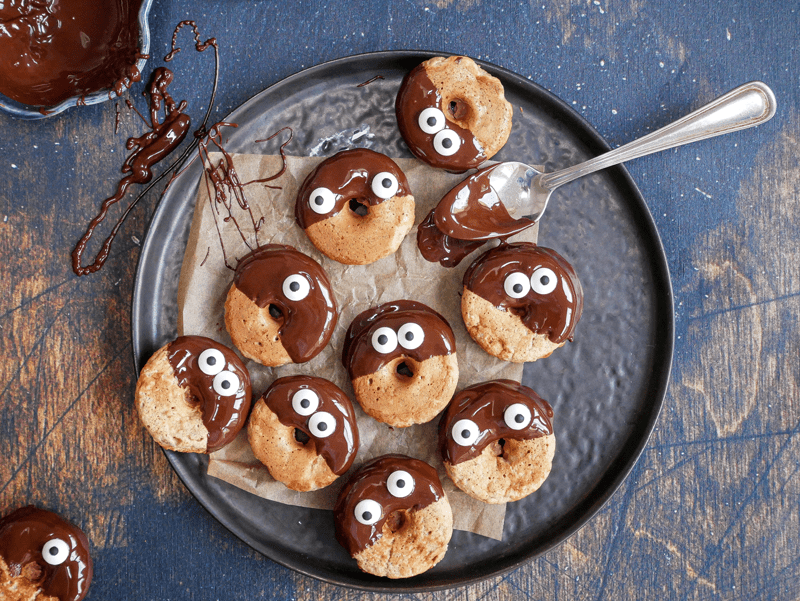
x: 524, y: 190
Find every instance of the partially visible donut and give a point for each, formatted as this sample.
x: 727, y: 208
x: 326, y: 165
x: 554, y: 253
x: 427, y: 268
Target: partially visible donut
x: 303, y: 429
x: 453, y: 114
x: 280, y: 307
x: 356, y: 206
x: 393, y: 517
x: 496, y: 441
x: 401, y: 359
x: 193, y: 395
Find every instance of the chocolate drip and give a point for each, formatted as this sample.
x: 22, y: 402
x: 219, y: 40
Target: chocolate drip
x: 369, y: 482
x: 485, y: 404
x: 23, y: 535
x: 223, y: 416
x: 435, y: 246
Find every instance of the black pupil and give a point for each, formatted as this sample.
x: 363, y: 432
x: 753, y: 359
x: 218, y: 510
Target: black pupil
x: 447, y: 142
x: 465, y: 434
x: 294, y: 286
x: 305, y: 403
x: 383, y: 339
x: 367, y: 516
x: 409, y: 336
x: 322, y: 427
x: 53, y: 550
x: 318, y: 200
x: 225, y: 384
x: 401, y: 483
x: 211, y: 360
x: 517, y: 288
x: 431, y: 121
x: 386, y: 183
x: 519, y: 418
x: 545, y: 280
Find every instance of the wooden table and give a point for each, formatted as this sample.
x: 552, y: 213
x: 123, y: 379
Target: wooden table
x: 710, y: 511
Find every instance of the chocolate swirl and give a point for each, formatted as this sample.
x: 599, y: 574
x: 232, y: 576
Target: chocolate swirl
x: 223, y: 415
x: 554, y: 310
x: 307, y: 324
x: 27, y: 533
x: 359, y: 355
x: 485, y: 405
x: 339, y: 448
x: 370, y: 482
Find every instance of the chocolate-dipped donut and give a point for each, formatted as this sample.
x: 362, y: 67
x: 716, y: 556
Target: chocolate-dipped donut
x: 193, y: 395
x: 401, y: 359
x: 356, y: 206
x: 42, y: 557
x: 496, y: 441
x: 303, y: 429
x: 521, y: 301
x: 393, y: 517
x: 280, y: 307
x: 452, y: 114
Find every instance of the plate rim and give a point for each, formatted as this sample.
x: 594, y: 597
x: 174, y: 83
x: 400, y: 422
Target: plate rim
x: 663, y: 357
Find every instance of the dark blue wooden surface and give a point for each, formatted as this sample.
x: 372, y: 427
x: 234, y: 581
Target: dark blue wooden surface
x: 711, y: 511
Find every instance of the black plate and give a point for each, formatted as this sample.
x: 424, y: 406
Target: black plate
x: 606, y: 388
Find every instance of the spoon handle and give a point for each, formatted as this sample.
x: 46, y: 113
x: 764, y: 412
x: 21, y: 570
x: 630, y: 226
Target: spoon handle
x: 746, y: 106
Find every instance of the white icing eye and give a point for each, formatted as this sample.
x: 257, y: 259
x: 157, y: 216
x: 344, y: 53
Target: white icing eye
x: 410, y: 336
x: 544, y: 281
x: 385, y: 185
x: 296, y: 287
x: 384, y: 340
x: 211, y: 361
x: 400, y: 484
x: 431, y: 120
x: 516, y: 285
x: 305, y: 402
x: 322, y: 424
x: 368, y: 512
x: 226, y: 383
x: 322, y: 201
x: 465, y: 432
x: 55, y: 551
x: 517, y: 416
x: 446, y: 142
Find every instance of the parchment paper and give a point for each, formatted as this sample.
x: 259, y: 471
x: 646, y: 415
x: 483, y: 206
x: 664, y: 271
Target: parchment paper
x: 204, y: 283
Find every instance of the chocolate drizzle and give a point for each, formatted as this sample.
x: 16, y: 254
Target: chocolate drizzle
x: 23, y: 535
x: 484, y: 405
x: 435, y: 246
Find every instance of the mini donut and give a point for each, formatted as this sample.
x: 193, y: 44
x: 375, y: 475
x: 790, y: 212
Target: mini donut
x: 193, y: 395
x: 356, y: 206
x: 496, y: 441
x: 401, y: 359
x: 280, y: 307
x: 453, y: 114
x: 521, y: 301
x: 42, y: 557
x: 393, y: 517
x: 303, y: 429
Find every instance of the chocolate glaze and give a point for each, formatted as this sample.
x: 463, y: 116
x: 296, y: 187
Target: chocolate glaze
x: 473, y: 211
x: 24, y: 533
x: 307, y: 324
x: 435, y: 246
x: 348, y: 174
x: 484, y: 404
x: 418, y: 92
x: 223, y: 416
x: 555, y: 314
x: 360, y: 358
x: 51, y: 51
x: 369, y: 482
x: 339, y: 449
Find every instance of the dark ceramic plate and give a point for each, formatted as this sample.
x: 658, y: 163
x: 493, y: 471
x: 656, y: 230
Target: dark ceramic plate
x: 606, y: 388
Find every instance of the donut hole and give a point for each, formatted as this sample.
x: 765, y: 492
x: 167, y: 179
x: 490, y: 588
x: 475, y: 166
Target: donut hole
x: 396, y: 520
x: 404, y: 369
x: 498, y: 447
x: 275, y: 313
x: 458, y: 109
x: 358, y: 207
x: 32, y: 571
x: 301, y: 436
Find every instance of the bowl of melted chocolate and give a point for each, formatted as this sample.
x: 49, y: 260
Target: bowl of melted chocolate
x: 56, y: 54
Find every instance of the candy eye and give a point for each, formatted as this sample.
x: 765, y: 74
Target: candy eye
x: 516, y: 285
x: 446, y: 142
x: 543, y: 281
x: 410, y: 336
x: 296, y: 287
x: 517, y: 416
x: 211, y: 361
x: 384, y: 340
x: 385, y: 185
x: 322, y: 424
x: 55, y: 551
x: 368, y: 512
x: 465, y: 432
x: 305, y: 402
x: 226, y: 383
x: 400, y: 484
x: 431, y: 120
x: 322, y: 201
